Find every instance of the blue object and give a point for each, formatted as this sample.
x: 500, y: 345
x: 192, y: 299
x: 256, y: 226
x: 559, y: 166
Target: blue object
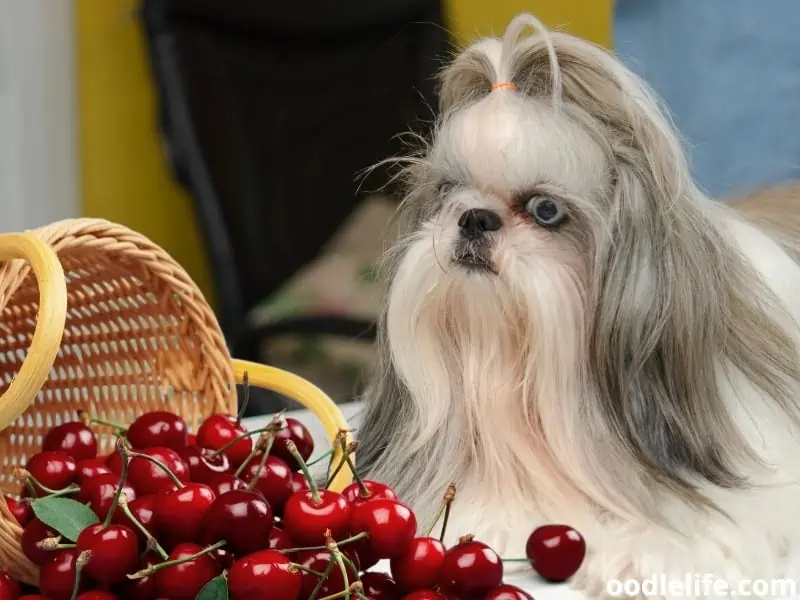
x: 729, y: 71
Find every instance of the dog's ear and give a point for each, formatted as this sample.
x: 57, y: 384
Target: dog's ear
x: 677, y: 310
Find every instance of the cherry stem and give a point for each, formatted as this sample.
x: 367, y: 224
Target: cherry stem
x: 152, y: 543
x: 32, y: 484
x: 306, y: 570
x: 83, y: 558
x: 447, y: 499
x: 65, y: 492
x: 349, y: 540
x: 292, y: 449
x: 356, y: 588
x: 350, y: 564
x: 172, y: 477
x: 515, y: 560
x: 322, y: 580
x: 87, y: 420
x: 265, y: 444
x: 123, y: 452
x: 178, y: 561
x: 273, y: 427
x: 336, y: 554
x: 246, y: 399
x: 341, y: 437
x: 319, y: 459
x: 53, y: 543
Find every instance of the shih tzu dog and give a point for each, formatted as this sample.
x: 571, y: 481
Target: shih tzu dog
x: 574, y: 333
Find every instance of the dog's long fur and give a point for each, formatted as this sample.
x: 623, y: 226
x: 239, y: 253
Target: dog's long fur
x: 634, y: 373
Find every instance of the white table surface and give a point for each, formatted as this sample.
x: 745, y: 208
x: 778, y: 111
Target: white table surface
x: 526, y: 580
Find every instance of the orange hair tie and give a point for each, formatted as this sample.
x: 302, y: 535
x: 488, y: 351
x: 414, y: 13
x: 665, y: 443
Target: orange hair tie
x: 505, y: 85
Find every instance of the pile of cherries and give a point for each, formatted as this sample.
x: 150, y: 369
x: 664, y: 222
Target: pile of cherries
x: 228, y: 513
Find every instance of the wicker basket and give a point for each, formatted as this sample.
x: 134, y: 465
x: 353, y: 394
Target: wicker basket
x: 96, y: 317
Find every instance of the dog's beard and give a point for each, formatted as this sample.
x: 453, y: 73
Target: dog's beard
x: 489, y: 356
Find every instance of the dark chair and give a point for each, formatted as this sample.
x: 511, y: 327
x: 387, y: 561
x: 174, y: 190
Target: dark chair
x: 269, y: 110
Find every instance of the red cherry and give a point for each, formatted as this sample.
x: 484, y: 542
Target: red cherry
x: 306, y: 520
x: 556, y: 552
x: 53, y: 469
x: 57, y: 577
x: 22, y: 512
x: 424, y: 595
x: 225, y: 558
x: 32, y: 597
x: 192, y: 440
x: 160, y: 428
x: 225, y: 482
x: 180, y: 513
x: 202, y: 466
x: 279, y: 540
x: 300, y: 435
x: 144, y: 510
x: 264, y: 574
x: 149, y: 478
x: 243, y: 519
x: 99, y: 493
x: 97, y: 595
x: 35, y: 532
x: 114, y: 551
x: 507, y: 592
x: 183, y: 581
x: 380, y: 586
x: 217, y: 430
x: 352, y: 493
x: 274, y: 481
x: 391, y: 526
x: 9, y: 589
x: 366, y: 556
x: 470, y: 568
x: 318, y: 560
x: 140, y: 589
x: 114, y: 463
x: 74, y: 438
x: 89, y: 468
x: 299, y: 483
x: 419, y: 567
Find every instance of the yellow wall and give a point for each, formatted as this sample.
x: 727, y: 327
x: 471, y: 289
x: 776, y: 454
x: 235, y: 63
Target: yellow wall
x: 123, y: 171
x: 124, y: 176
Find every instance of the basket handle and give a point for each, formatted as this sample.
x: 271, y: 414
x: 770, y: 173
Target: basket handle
x: 50, y: 319
x: 307, y: 394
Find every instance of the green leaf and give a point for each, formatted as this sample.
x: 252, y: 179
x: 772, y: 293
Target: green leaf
x: 67, y: 517
x: 216, y: 589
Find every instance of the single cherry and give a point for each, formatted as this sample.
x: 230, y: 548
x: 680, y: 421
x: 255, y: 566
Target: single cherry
x: 470, y: 569
x: 184, y: 581
x: 240, y: 517
x: 9, y: 589
x: 507, y: 592
x: 114, y: 552
x: 556, y: 552
x: 35, y: 532
x: 218, y: 430
x: 354, y: 494
x: 57, y: 577
x: 274, y: 480
x: 390, y: 524
x: 318, y: 560
x: 225, y: 482
x: 180, y: 513
x: 21, y: 511
x: 299, y: 483
x: 264, y: 574
x: 203, y: 466
x: 191, y: 440
x: 300, y: 435
x: 99, y: 493
x: 97, y: 595
x: 279, y: 540
x: 149, y: 478
x: 54, y: 469
x: 89, y: 468
x: 74, y: 438
x: 379, y: 586
x: 143, y: 588
x: 424, y: 595
x: 143, y: 509
x: 419, y: 566
x: 306, y: 518
x: 158, y: 429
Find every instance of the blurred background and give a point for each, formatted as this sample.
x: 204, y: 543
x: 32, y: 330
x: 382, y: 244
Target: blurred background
x: 231, y: 133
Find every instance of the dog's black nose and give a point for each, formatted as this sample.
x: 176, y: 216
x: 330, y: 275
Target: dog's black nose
x: 477, y: 221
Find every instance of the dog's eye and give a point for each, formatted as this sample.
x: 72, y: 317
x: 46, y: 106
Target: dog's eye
x: 547, y: 211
